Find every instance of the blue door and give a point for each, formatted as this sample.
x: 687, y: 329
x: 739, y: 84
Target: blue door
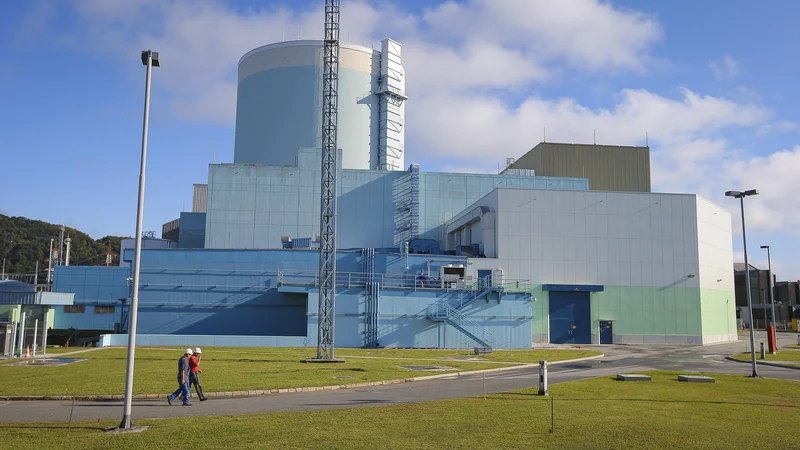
x: 570, y: 318
x: 606, y: 332
x: 484, y: 277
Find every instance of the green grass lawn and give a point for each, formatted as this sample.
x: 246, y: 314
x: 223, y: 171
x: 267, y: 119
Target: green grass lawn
x: 234, y: 369
x: 59, y: 350
x: 598, y: 413
x: 793, y: 346
x: 792, y: 356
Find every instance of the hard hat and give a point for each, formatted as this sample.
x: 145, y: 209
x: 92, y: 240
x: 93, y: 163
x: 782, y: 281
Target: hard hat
x: 197, y: 351
x: 188, y: 351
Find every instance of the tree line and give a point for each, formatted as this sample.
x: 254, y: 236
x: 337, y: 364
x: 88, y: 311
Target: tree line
x: 24, y: 241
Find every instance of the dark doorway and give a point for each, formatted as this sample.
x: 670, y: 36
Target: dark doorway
x: 570, y: 318
x: 606, y: 332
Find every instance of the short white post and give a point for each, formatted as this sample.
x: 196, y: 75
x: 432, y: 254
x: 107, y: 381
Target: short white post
x: 22, y: 335
x: 543, y: 378
x: 13, y: 339
x: 35, y: 335
x: 44, y: 331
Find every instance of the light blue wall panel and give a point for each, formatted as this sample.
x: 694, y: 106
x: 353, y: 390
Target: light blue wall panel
x: 234, y: 293
x: 443, y: 195
x: 92, y: 286
x: 252, y: 206
x: 177, y: 340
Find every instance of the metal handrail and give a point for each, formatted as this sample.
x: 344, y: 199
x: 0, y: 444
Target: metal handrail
x: 386, y: 280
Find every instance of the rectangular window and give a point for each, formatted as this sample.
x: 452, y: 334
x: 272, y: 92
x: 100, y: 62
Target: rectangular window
x: 74, y: 309
x: 104, y: 310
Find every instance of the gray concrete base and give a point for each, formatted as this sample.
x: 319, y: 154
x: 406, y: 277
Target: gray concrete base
x: 633, y: 377
x: 696, y: 379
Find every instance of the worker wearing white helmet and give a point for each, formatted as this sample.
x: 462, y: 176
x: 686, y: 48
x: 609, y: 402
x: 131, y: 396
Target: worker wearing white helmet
x: 183, y: 379
x: 194, y: 373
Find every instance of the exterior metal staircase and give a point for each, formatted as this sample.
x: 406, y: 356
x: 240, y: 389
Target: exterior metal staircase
x: 449, y: 311
x: 443, y: 312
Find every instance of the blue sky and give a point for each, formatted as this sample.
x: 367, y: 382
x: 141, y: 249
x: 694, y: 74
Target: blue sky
x: 712, y: 83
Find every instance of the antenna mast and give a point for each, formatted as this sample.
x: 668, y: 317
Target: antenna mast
x: 327, y: 251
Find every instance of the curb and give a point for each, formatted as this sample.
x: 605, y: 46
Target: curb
x: 765, y: 363
x: 259, y: 392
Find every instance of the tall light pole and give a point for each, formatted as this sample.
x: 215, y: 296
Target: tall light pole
x: 741, y: 195
x: 3, y: 276
x: 50, y: 263
x: 149, y: 59
x: 771, y: 286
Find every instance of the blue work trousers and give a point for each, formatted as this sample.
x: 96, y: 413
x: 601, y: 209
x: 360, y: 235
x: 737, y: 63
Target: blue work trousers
x: 183, y: 390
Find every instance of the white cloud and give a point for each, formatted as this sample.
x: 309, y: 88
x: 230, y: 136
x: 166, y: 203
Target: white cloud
x: 724, y: 68
x: 587, y: 33
x: 482, y: 44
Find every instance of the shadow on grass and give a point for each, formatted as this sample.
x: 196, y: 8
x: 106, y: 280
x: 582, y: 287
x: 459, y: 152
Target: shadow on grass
x: 640, y: 400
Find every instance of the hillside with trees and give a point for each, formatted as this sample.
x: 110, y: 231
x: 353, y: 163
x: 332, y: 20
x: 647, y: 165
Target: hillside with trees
x: 24, y: 241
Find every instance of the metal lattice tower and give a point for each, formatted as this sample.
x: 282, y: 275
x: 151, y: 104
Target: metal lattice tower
x: 327, y: 252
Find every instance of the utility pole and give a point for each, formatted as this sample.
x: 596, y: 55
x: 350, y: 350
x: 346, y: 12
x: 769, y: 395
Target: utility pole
x: 60, y: 244
x: 149, y: 59
x: 67, y: 241
x: 741, y: 195
x: 50, y: 263
x: 327, y: 251
x: 773, y: 342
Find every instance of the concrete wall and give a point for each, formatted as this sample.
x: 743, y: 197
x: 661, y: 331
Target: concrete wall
x: 279, y: 104
x: 645, y: 249
x: 717, y: 291
x: 623, y: 239
x: 252, y: 206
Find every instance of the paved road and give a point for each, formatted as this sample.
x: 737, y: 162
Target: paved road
x: 618, y: 359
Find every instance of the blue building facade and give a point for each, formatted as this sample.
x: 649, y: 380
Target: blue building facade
x: 269, y: 297
x: 100, y: 297
x: 252, y: 206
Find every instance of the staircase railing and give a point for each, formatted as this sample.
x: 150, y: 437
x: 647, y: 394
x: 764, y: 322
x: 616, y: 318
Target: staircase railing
x: 442, y: 311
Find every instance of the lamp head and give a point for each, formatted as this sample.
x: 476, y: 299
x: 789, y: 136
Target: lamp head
x: 153, y: 56
x: 765, y: 246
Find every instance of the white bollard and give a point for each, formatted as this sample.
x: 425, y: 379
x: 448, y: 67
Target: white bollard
x: 542, y: 377
x: 35, y: 335
x: 13, y: 339
x: 22, y: 336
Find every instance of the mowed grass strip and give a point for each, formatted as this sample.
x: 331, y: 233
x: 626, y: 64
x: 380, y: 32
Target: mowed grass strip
x: 224, y: 369
x: 518, y: 356
x: 598, y: 413
x: 791, y: 356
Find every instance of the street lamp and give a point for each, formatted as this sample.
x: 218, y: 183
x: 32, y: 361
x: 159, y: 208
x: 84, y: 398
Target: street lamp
x: 771, y: 286
x: 149, y: 59
x: 741, y: 195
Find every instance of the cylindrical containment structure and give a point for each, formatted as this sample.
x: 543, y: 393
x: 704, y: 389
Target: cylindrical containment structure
x: 279, y: 104
x: 542, y: 377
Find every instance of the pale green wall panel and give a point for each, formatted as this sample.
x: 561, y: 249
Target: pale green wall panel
x: 718, y: 312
